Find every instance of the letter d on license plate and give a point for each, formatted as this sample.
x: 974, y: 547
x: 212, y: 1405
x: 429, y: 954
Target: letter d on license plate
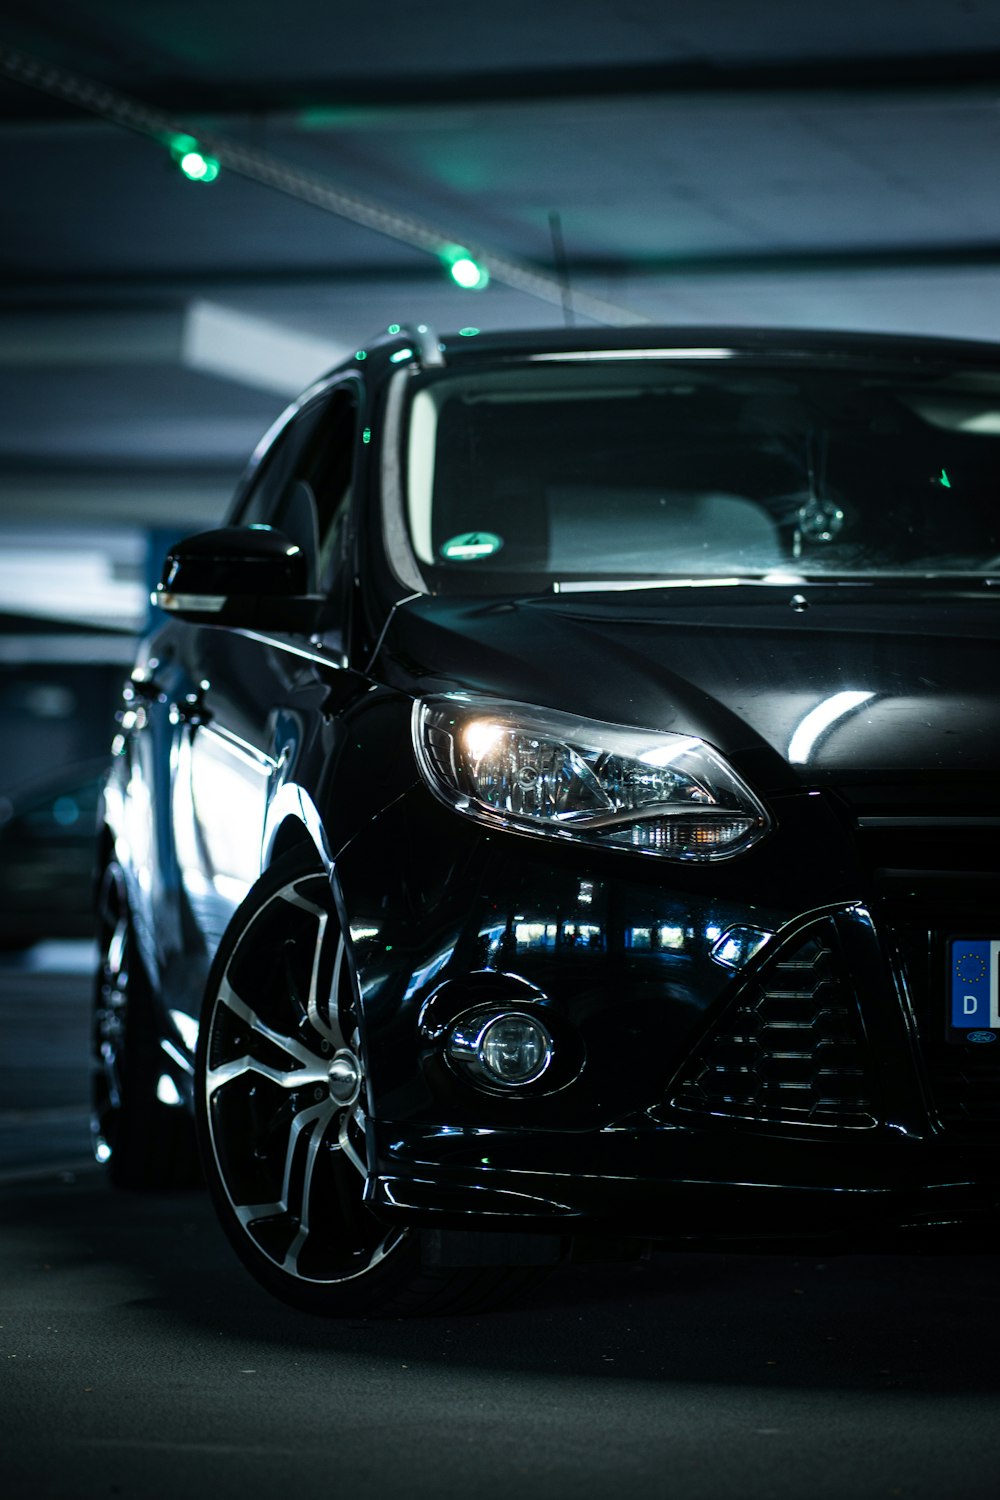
x: 974, y: 963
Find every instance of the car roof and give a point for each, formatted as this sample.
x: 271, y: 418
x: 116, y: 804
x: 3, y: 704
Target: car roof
x: 803, y: 343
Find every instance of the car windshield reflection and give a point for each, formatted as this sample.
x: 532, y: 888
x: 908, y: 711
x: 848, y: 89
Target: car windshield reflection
x: 686, y: 473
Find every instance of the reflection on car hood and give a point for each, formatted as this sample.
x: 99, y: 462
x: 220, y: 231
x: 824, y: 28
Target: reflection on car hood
x: 872, y: 680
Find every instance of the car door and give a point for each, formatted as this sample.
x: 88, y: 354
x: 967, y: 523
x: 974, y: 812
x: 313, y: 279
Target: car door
x: 249, y: 725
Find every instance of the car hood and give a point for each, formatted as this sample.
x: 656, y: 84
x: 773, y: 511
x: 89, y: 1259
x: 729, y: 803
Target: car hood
x: 846, y: 681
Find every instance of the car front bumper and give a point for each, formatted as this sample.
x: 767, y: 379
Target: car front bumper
x: 810, y: 1093
x: 680, y: 1185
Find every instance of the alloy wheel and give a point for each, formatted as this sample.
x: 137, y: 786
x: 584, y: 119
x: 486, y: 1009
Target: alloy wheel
x: 282, y: 1098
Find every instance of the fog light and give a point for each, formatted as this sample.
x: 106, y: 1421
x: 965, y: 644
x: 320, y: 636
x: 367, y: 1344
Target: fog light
x: 515, y: 1049
x: 510, y: 1050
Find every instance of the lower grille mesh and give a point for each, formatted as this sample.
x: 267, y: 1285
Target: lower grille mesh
x: 791, y: 1048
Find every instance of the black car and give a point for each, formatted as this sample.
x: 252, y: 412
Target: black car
x: 559, y: 814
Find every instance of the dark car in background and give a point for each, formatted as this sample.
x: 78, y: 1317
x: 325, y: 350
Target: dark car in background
x: 559, y: 813
x: 47, y: 856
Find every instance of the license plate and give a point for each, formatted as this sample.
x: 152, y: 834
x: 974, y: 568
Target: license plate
x: 974, y: 967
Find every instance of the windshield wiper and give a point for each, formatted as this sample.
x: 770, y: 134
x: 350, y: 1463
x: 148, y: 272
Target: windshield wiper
x: 782, y: 580
x: 626, y: 585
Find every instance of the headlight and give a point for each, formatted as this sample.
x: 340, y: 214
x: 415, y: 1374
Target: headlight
x: 526, y: 768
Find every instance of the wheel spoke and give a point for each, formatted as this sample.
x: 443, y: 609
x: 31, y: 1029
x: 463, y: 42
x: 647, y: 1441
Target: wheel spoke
x: 252, y: 1213
x: 347, y: 1145
x: 289, y: 979
x: 319, y: 1117
x: 318, y: 1114
x: 312, y: 1151
x: 321, y: 1114
x: 239, y: 1066
x: 293, y: 896
x: 294, y: 1049
x: 327, y: 1025
x: 332, y: 1029
x: 321, y: 1023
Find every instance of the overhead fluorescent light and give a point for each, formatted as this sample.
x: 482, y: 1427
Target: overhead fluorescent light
x: 223, y: 341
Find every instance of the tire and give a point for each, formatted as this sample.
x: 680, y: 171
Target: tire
x: 280, y: 1102
x: 142, y: 1142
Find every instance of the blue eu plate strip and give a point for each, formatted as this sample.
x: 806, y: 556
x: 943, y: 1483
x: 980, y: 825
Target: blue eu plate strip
x: 974, y: 964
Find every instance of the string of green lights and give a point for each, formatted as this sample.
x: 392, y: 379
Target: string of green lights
x: 202, y: 156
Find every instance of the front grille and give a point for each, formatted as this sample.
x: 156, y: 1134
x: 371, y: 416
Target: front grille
x: 930, y: 849
x: 938, y: 840
x: 790, y: 1049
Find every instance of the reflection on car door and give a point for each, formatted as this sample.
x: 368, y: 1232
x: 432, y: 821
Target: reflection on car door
x: 221, y: 789
x: 233, y: 751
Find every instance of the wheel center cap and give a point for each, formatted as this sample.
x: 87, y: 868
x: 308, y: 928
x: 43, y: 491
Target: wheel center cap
x: 345, y: 1077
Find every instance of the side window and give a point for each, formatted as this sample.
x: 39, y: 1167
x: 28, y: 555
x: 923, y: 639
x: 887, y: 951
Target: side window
x: 304, y: 485
x: 258, y: 505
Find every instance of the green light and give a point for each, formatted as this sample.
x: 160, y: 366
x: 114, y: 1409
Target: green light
x: 361, y: 354
x: 467, y: 333
x: 464, y: 270
x: 192, y: 161
x: 366, y: 436
x: 400, y: 355
x: 394, y: 328
x: 944, y: 481
x: 199, y: 168
x: 469, y: 276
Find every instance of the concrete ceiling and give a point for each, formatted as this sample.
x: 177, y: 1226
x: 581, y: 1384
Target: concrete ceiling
x: 779, y: 161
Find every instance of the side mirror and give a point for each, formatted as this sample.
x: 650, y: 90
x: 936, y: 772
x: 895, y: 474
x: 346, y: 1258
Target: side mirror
x: 241, y: 576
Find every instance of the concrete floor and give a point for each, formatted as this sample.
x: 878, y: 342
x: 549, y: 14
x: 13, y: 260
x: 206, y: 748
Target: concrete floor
x: 137, y: 1358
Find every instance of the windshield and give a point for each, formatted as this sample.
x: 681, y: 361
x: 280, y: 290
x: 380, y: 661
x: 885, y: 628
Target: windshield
x: 564, y: 472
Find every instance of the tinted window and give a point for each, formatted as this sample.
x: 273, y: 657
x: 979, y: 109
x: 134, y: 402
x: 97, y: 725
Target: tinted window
x: 303, y: 486
x: 659, y: 469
